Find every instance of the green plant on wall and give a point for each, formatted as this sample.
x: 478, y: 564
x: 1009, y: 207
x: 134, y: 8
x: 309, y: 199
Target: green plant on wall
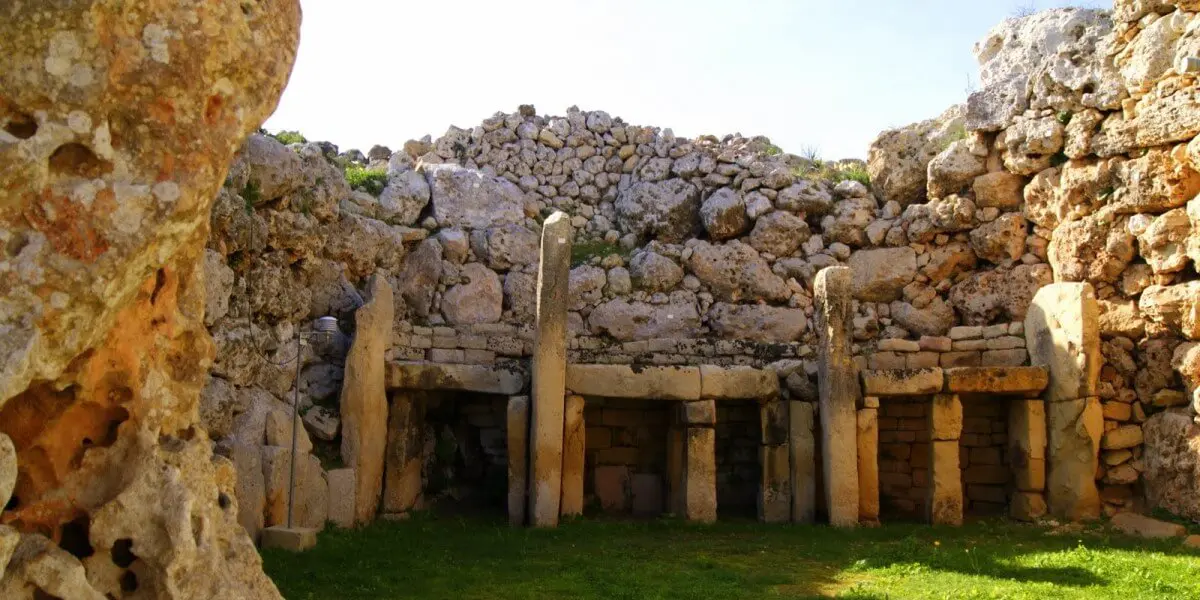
x: 289, y: 137
x: 371, y: 181
x: 582, y: 252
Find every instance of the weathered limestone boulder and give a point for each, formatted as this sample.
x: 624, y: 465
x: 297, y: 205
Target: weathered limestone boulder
x: 520, y: 294
x: 1157, y: 181
x: 1172, y: 309
x: 734, y: 271
x: 1029, y: 144
x: 654, y: 272
x: 946, y: 262
x: 364, y: 403
x: 269, y: 168
x: 585, y: 284
x: 1171, y: 459
x: 990, y: 296
x: 956, y: 168
x: 404, y: 198
x: 898, y: 159
x: 806, y: 197
x: 724, y: 215
x: 116, y: 133
x: 218, y: 281
x: 848, y: 221
x: 479, y: 299
x: 1164, y: 243
x: 626, y: 321
x: 1000, y: 189
x: 779, y: 233
x: 1062, y: 333
x: 881, y: 274
x: 757, y: 322
x: 311, y: 501
x: 1095, y: 248
x: 934, y: 319
x: 666, y: 210
x: 419, y: 276
x: 506, y: 246
x: 1000, y: 240
x: 472, y: 199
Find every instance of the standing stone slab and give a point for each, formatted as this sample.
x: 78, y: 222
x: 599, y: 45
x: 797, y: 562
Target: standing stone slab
x: 518, y: 458
x: 341, y: 497
x: 402, y: 486
x: 839, y: 390
x: 1062, y: 330
x: 364, y: 403
x: 1073, y: 435
x: 775, y: 492
x: 945, y: 417
x: 573, y: 458
x: 802, y: 448
x: 700, y: 475
x: 549, y: 373
x: 1027, y: 444
x: 945, y: 484
x: 868, y: 465
x: 676, y: 462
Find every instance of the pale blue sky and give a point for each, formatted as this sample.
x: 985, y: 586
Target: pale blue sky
x: 827, y: 74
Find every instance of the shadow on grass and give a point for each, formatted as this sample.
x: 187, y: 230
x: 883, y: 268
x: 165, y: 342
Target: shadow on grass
x: 432, y: 556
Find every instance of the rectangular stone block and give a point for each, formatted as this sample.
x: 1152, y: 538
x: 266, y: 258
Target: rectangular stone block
x: 902, y: 382
x: 996, y: 380
x: 773, y: 418
x: 402, y: 486
x: 1004, y: 358
x: 922, y: 360
x: 775, y: 491
x: 699, y: 412
x: 838, y: 390
x: 945, y: 499
x: 966, y: 332
x: 1030, y: 476
x: 700, y: 476
x: 625, y: 381
x: 647, y: 495
x: 802, y: 449
x: 485, y: 379
x: 574, y: 443
x: 868, y: 465
x: 969, y: 358
x: 884, y: 361
x: 612, y: 487
x: 946, y: 417
x: 1073, y: 431
x: 518, y: 458
x: 737, y: 382
x: 676, y: 463
x: 1062, y: 332
x: 341, y: 496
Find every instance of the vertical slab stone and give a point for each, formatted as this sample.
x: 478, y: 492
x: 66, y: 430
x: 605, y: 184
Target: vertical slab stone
x: 868, y: 465
x: 364, y: 403
x: 676, y: 462
x: 1073, y: 430
x: 945, y: 417
x: 250, y: 487
x: 341, y: 497
x: 518, y: 458
x: 700, y: 475
x: 1027, y: 444
x: 1062, y: 330
x: 802, y: 450
x: 945, y: 484
x: 549, y: 373
x: 572, y: 471
x: 775, y: 492
x: 402, y: 486
x: 839, y: 390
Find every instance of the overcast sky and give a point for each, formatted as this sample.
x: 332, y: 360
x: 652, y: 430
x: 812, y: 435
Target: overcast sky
x: 826, y: 74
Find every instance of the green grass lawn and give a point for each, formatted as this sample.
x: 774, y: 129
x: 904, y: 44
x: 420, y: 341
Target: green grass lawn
x: 432, y: 557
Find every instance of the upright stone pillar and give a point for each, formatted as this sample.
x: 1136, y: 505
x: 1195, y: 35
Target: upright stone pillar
x: 775, y: 491
x: 802, y: 450
x: 1027, y: 455
x: 518, y: 458
x: 549, y: 373
x: 700, y: 461
x: 402, y: 487
x: 945, y: 503
x: 676, y: 458
x: 868, y: 462
x: 1063, y: 334
x: 364, y: 402
x: 573, y: 458
x: 839, y: 390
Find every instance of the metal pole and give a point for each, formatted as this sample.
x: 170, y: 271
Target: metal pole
x: 295, y: 419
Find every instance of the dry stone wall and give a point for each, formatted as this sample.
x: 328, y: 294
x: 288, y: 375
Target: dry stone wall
x: 1075, y: 161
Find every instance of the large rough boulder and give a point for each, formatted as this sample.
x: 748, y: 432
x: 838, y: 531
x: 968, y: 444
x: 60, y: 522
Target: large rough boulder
x: 757, y: 323
x: 779, y: 233
x: 955, y: 168
x: 1000, y: 240
x: 404, y: 198
x: 990, y: 296
x: 654, y: 272
x: 419, y: 276
x: 724, y: 214
x: 898, y: 160
x: 734, y: 271
x: 1096, y: 248
x: 881, y: 274
x: 665, y: 210
x: 116, y: 129
x: 1172, y: 309
x: 479, y: 299
x: 1171, y: 461
x: 472, y: 199
x: 627, y: 321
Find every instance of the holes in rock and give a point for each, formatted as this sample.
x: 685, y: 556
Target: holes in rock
x: 21, y: 125
x: 122, y: 553
x: 160, y: 281
x: 74, y: 538
x: 77, y: 160
x: 223, y: 500
x: 129, y: 582
x: 213, y: 108
x: 1089, y: 88
x: 15, y: 244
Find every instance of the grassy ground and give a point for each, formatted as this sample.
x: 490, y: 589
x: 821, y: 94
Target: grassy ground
x: 432, y: 557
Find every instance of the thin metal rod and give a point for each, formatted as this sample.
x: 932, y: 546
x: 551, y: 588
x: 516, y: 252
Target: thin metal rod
x: 295, y: 420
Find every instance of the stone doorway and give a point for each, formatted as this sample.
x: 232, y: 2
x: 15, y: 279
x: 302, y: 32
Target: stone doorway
x: 739, y: 466
x: 903, y: 458
x: 465, y: 464
x: 625, y: 458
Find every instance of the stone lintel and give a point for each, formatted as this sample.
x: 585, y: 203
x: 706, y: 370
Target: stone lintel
x: 468, y: 378
x: 737, y: 382
x: 632, y: 381
x: 997, y: 380
x: 902, y: 382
